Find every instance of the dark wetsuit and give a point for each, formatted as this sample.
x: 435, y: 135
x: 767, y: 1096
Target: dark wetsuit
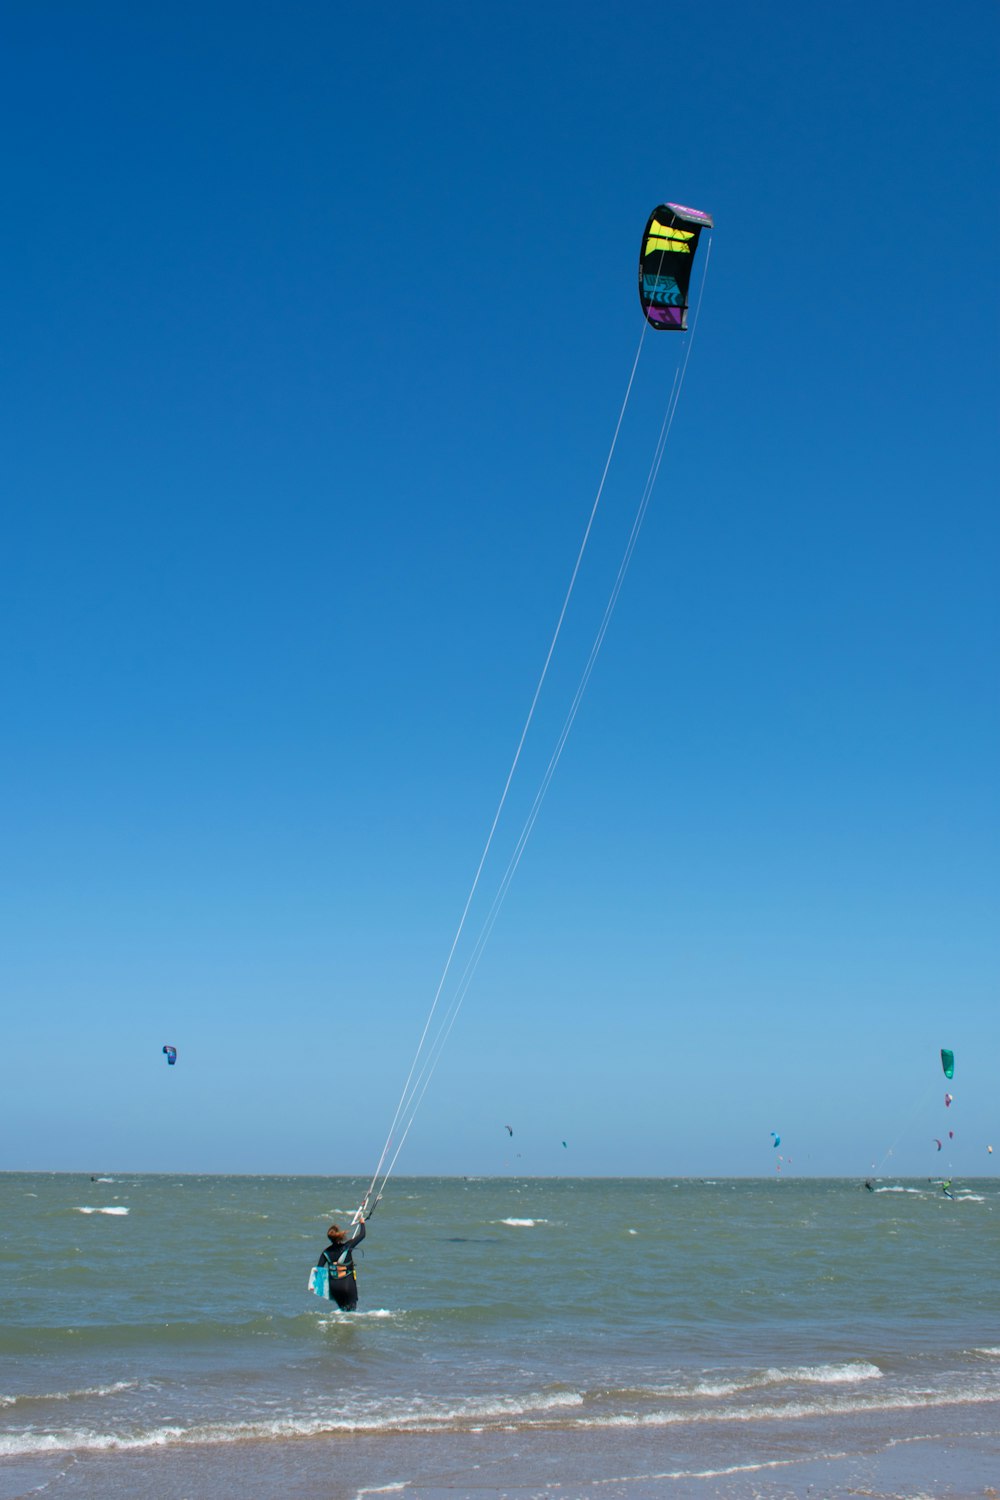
x: 343, y: 1280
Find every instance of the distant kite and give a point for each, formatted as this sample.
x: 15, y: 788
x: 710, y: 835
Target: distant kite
x: 171, y: 1055
x: 947, y: 1099
x: 776, y: 1139
x: 937, y: 1143
x: 948, y: 1062
x: 509, y: 1129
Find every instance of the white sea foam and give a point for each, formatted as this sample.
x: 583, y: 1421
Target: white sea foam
x: 86, y: 1209
x: 337, y: 1320
x: 857, y: 1369
x: 764, y: 1463
x: 899, y: 1189
x: 521, y: 1223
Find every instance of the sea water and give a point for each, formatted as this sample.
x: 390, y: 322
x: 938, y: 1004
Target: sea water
x: 560, y: 1337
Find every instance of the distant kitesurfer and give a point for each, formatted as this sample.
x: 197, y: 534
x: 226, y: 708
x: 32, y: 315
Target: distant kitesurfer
x: 869, y: 1185
x: 343, y: 1281
x: 946, y: 1189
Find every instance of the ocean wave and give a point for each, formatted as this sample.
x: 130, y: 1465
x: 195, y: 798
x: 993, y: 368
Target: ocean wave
x: 156, y: 1334
x: 520, y: 1223
x: 86, y: 1209
x: 552, y: 1410
x: 429, y: 1416
x: 85, y: 1391
x: 549, y: 1409
x: 834, y: 1374
x: 711, y: 1387
x: 80, y: 1440
x: 793, y: 1410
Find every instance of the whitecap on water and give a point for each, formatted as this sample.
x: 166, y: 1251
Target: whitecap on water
x: 86, y: 1209
x: 338, y: 1319
x: 855, y: 1369
x: 840, y: 1374
x: 87, y: 1390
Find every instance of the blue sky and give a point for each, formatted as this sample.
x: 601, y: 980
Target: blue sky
x: 317, y: 323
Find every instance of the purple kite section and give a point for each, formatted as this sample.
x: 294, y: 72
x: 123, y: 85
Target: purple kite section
x: 670, y: 317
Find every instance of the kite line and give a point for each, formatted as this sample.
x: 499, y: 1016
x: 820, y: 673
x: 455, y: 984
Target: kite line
x: 427, y: 1054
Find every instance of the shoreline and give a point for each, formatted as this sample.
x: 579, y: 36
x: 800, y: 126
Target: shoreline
x: 882, y: 1459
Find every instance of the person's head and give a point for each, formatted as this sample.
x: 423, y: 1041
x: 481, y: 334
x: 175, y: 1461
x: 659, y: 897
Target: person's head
x: 335, y: 1235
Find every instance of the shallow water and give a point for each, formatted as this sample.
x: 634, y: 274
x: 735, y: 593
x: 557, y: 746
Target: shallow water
x: 689, y: 1333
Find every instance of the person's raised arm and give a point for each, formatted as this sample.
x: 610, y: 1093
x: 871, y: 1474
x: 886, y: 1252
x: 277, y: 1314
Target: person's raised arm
x: 357, y: 1236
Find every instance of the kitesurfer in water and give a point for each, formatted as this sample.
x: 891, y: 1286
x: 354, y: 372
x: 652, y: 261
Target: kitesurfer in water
x: 946, y: 1189
x: 337, y: 1255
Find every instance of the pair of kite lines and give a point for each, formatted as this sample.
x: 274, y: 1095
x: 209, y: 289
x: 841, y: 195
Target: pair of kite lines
x: 666, y: 259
